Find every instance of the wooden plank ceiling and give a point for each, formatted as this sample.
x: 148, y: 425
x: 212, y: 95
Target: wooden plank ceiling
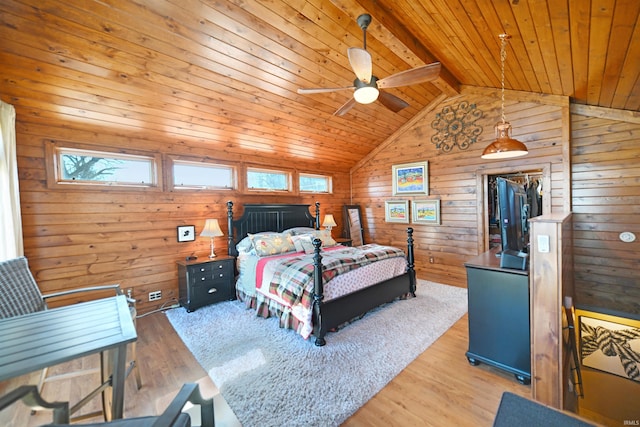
x: 226, y: 73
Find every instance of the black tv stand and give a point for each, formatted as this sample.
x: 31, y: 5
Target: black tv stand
x: 499, y: 330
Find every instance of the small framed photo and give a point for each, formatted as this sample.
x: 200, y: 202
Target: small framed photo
x: 426, y: 211
x: 411, y: 178
x: 186, y: 233
x: 396, y: 211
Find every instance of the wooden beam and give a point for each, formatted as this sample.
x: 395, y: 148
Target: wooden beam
x: 390, y: 27
x: 606, y: 113
x: 540, y: 98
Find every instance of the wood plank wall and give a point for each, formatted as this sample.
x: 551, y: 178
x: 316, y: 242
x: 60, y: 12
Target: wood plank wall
x: 537, y: 121
x: 77, y: 237
x: 606, y: 201
x: 600, y: 161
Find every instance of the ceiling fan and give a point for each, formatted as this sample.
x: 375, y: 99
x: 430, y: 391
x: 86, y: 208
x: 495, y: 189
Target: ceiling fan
x: 367, y: 86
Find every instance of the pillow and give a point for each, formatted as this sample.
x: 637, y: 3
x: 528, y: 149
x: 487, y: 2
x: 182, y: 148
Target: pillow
x: 325, y: 236
x: 296, y: 231
x: 244, y: 245
x: 304, y: 243
x: 272, y: 243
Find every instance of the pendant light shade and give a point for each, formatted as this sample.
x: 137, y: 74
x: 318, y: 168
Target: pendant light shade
x: 504, y: 146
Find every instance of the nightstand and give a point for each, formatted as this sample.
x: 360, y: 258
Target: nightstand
x: 344, y: 241
x: 206, y: 281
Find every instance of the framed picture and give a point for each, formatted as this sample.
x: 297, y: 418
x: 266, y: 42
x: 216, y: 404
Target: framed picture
x: 396, y: 211
x: 610, y: 347
x: 186, y: 233
x: 411, y: 178
x: 426, y: 211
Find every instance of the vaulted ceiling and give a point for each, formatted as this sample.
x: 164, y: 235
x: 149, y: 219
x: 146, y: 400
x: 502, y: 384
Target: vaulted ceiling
x: 226, y: 73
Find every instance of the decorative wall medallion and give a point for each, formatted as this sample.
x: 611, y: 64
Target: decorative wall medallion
x: 456, y: 126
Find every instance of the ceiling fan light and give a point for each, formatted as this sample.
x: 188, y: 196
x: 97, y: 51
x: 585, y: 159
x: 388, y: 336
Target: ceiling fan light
x: 366, y: 94
x: 504, y: 147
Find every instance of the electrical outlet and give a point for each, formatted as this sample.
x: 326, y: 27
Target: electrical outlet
x: 155, y: 295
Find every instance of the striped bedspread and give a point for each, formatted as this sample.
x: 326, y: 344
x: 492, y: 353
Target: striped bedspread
x: 293, y: 278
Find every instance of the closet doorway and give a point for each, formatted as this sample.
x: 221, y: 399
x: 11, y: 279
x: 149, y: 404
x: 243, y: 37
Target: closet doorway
x: 538, y: 175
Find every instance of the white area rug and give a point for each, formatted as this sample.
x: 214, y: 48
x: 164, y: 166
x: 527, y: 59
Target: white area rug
x: 273, y: 377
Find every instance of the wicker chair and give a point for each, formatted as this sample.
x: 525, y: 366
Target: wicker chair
x: 20, y: 295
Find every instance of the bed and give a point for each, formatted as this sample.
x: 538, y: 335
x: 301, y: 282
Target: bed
x: 325, y: 313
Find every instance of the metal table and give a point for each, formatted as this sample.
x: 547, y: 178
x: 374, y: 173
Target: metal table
x: 38, y: 340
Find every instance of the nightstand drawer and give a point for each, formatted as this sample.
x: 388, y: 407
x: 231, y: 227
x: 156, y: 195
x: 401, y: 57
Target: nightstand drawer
x: 199, y: 273
x: 222, y: 271
x: 212, y: 293
x: 214, y: 271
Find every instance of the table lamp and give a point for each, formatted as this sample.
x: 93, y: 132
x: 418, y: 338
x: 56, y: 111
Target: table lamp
x: 211, y: 229
x: 329, y: 222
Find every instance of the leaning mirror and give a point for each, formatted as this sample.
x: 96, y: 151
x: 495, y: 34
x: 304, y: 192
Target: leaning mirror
x: 352, y: 220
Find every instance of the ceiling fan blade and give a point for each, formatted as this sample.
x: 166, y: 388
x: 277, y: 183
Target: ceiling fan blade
x: 392, y: 102
x: 426, y: 73
x: 345, y: 107
x: 360, y: 61
x: 303, y: 91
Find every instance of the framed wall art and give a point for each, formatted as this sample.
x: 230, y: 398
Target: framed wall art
x: 610, y: 347
x: 186, y: 233
x: 426, y: 211
x: 396, y: 211
x: 411, y: 178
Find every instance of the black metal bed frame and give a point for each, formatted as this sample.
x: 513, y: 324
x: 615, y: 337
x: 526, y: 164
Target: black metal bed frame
x: 327, y: 315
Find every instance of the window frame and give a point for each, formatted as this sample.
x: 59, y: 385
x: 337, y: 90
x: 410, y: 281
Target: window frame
x: 173, y: 160
x: 328, y: 178
x: 287, y: 172
x: 54, y: 150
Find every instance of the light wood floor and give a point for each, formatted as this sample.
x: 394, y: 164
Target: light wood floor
x: 439, y: 388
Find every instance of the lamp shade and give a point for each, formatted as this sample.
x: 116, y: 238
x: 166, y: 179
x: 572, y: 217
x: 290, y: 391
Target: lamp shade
x: 329, y: 221
x: 211, y: 229
x: 504, y: 146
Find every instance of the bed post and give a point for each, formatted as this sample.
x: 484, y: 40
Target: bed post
x: 231, y: 250
x: 317, y: 227
x: 318, y: 293
x: 410, y: 262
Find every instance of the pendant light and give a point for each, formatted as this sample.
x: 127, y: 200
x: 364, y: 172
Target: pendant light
x: 504, y: 146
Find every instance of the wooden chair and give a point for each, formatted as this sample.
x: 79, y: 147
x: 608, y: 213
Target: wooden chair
x: 20, y: 295
x: 172, y: 416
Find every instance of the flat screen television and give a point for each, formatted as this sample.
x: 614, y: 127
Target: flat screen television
x: 514, y: 226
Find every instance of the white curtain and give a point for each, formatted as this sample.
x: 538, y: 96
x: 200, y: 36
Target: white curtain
x: 11, y: 244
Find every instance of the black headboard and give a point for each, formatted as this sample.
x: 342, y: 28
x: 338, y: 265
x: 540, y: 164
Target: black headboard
x: 257, y: 218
